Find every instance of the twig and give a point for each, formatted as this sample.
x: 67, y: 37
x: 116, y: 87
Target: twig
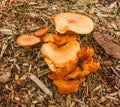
x: 115, y: 71
x: 68, y: 100
x: 43, y: 72
x: 72, y: 104
x: 40, y: 84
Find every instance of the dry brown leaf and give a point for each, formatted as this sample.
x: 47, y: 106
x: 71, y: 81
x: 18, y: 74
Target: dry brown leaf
x: 109, y: 46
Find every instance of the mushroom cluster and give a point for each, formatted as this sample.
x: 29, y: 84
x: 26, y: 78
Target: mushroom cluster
x: 62, y: 51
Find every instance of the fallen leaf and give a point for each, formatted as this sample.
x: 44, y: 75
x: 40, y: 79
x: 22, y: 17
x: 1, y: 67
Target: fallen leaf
x: 110, y: 47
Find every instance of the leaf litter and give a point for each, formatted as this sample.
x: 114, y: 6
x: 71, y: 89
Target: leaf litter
x: 27, y: 16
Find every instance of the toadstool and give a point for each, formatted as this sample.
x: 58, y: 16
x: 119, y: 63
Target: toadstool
x: 90, y: 65
x: 71, y: 21
x: 85, y: 53
x: 61, y: 72
x: 77, y: 73
x: 41, y: 32
x: 58, y: 38
x: 68, y: 86
x: 27, y: 41
x: 60, y: 59
x: 61, y: 55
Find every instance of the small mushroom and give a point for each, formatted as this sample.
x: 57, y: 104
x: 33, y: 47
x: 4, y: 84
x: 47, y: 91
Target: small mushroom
x: 71, y: 21
x: 41, y: 32
x: 68, y: 86
x: 27, y: 41
x: 58, y: 38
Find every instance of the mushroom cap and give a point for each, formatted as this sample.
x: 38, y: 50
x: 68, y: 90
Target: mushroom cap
x: 61, y: 72
x: 68, y: 86
x: 41, y: 32
x: 58, y: 38
x: 61, y: 55
x: 90, y: 65
x: 77, y: 73
x: 75, y: 22
x: 86, y: 53
x: 49, y: 37
x: 27, y: 40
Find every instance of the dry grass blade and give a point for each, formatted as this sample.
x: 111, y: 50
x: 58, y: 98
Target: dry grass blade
x: 115, y: 72
x: 68, y: 100
x: 3, y: 50
x: 72, y: 104
x: 40, y: 84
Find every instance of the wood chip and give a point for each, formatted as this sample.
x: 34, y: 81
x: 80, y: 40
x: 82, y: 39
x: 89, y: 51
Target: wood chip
x: 107, y: 44
x: 3, y: 50
x: 118, y: 23
x: 40, y: 85
x: 5, y: 77
x: 6, y: 31
x: 113, y: 5
x: 68, y: 100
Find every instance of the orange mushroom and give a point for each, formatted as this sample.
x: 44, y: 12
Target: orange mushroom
x: 61, y: 72
x: 60, y: 59
x: 41, y: 32
x: 85, y: 53
x: 77, y: 73
x: 60, y: 56
x: 90, y: 65
x: 27, y: 41
x: 58, y: 38
x: 75, y: 22
x: 69, y: 86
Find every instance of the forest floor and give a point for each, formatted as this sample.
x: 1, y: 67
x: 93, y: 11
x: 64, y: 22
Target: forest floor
x: 100, y: 89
